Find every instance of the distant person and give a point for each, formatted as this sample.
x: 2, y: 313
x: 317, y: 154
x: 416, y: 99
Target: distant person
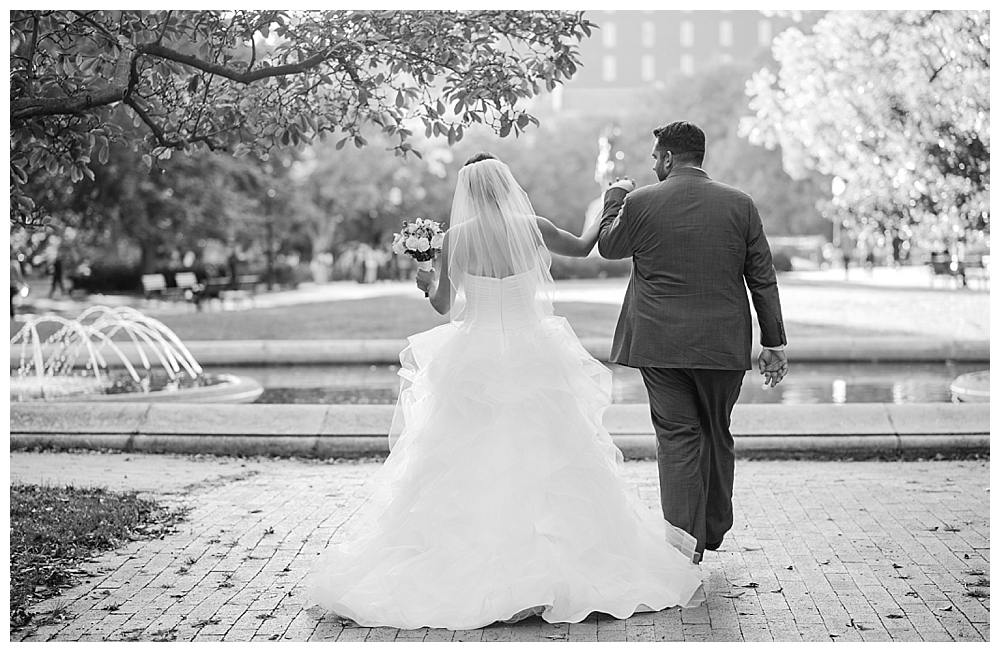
x: 17, y: 284
x: 57, y: 277
x: 897, y: 250
x: 233, y: 262
x: 371, y: 266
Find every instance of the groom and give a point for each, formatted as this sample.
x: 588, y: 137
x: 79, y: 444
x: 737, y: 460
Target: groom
x: 697, y: 245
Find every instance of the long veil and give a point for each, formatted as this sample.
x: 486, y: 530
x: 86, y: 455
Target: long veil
x: 493, y: 233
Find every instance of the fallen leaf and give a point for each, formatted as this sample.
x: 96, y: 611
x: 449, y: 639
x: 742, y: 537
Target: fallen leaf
x: 895, y: 565
x: 894, y: 616
x: 779, y: 590
x: 948, y: 608
x: 734, y: 594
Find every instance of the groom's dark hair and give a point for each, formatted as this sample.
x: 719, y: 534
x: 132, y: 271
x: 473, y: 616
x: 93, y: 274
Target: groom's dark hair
x: 685, y: 140
x: 480, y: 156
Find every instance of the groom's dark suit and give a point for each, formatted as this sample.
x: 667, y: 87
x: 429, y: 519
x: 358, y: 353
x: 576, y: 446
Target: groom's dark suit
x: 696, y: 246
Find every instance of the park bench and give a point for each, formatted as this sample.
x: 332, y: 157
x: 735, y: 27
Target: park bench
x: 960, y: 270
x: 186, y: 287
x: 977, y: 268
x: 154, y: 285
x: 237, y: 295
x: 187, y: 284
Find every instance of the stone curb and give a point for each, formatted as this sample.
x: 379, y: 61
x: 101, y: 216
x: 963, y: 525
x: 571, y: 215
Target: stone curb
x: 360, y: 430
x: 296, y: 352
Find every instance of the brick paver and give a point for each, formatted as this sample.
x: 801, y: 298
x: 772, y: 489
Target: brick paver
x: 821, y: 550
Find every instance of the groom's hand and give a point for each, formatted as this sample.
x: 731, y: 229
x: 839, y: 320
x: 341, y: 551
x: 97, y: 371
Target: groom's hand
x: 773, y: 365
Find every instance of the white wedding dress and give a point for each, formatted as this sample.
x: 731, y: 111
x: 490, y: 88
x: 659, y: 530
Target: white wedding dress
x: 503, y: 495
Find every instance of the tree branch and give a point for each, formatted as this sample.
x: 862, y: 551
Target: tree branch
x: 166, y: 24
x: 161, y: 135
x: 100, y: 28
x: 248, y: 77
x: 115, y: 92
x: 31, y: 55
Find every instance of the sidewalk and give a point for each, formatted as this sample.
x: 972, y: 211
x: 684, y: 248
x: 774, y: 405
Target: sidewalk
x: 845, y: 551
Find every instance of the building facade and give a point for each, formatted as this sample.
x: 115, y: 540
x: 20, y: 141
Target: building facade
x: 640, y: 49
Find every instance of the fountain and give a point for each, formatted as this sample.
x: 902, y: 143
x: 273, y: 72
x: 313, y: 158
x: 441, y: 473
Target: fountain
x: 49, y: 369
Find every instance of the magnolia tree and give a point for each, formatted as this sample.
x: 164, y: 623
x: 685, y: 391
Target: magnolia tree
x: 895, y: 106
x: 247, y: 81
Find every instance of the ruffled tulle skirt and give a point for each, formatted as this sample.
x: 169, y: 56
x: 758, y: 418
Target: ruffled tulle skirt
x: 503, y: 496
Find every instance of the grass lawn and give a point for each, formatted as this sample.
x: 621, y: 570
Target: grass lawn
x: 811, y: 309
x: 52, y: 529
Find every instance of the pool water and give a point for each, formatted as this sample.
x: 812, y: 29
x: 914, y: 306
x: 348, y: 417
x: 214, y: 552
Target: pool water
x: 805, y: 383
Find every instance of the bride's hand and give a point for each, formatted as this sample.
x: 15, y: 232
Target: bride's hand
x: 424, y: 280
x: 626, y: 184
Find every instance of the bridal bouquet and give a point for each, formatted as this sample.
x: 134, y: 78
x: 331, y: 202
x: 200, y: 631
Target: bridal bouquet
x: 421, y: 239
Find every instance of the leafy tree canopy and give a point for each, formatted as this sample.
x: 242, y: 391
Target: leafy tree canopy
x: 248, y: 81
x: 894, y: 103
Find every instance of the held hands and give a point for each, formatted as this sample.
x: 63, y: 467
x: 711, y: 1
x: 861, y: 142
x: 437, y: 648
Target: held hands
x: 425, y: 280
x: 773, y: 365
x: 626, y: 184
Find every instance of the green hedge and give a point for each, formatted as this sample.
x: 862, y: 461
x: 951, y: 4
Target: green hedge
x: 569, y: 268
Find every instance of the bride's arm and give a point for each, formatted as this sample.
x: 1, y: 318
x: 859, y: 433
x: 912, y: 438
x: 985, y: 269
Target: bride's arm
x: 439, y: 284
x: 565, y: 243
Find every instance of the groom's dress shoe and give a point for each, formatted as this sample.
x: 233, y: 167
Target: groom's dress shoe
x: 713, y: 546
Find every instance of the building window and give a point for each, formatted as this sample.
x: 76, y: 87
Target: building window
x: 648, y: 68
x: 726, y: 33
x: 764, y: 35
x: 610, y: 34
x: 687, y: 33
x: 648, y: 34
x: 687, y: 65
x: 610, y: 68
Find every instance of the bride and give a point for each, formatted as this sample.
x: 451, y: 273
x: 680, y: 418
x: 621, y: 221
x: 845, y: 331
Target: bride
x: 502, y: 496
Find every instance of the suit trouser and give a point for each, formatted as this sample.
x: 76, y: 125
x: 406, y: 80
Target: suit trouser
x: 691, y: 409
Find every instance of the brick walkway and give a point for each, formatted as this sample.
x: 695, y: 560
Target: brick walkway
x: 846, y: 551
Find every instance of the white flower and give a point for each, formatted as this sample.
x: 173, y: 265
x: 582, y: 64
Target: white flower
x: 437, y: 240
x: 423, y: 244
x: 411, y: 243
x: 398, y: 247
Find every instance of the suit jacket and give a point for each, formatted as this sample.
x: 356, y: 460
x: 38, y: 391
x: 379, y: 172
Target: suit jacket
x: 697, y: 245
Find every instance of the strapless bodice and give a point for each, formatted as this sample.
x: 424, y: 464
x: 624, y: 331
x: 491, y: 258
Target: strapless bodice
x: 510, y: 302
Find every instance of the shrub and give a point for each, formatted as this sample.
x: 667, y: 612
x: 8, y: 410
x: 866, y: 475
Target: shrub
x: 107, y: 277
x: 570, y: 268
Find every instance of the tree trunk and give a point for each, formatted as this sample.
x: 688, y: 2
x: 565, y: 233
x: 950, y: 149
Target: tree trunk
x: 148, y: 260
